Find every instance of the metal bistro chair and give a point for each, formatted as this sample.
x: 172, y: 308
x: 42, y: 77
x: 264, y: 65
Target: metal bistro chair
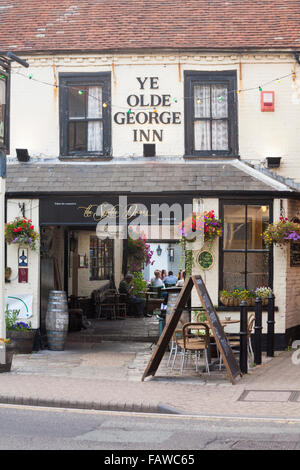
x: 193, y: 343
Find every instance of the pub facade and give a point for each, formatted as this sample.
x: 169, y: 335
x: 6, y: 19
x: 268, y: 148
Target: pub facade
x: 120, y: 134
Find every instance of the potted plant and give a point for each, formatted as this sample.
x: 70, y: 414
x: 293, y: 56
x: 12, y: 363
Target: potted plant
x: 21, y: 232
x: 19, y: 331
x: 281, y: 232
x: 139, y: 253
x: 263, y: 293
x: 139, y: 284
x: 7, y: 343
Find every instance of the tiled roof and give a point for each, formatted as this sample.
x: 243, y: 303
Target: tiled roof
x: 47, y: 25
x: 136, y: 178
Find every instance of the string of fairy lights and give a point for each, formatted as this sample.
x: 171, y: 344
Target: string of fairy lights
x: 199, y: 100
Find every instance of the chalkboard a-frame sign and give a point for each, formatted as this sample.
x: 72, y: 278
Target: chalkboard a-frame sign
x: 229, y: 360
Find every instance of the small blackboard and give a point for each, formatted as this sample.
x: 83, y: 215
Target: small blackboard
x: 223, y: 345
x: 295, y: 254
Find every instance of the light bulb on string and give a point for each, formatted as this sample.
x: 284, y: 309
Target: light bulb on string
x: 30, y: 76
x: 220, y: 98
x: 155, y: 110
x: 278, y: 80
x: 129, y: 111
x: 104, y: 105
x: 260, y: 88
x: 80, y: 92
x: 198, y: 101
x: 175, y: 100
x: 238, y: 92
x: 2, y: 76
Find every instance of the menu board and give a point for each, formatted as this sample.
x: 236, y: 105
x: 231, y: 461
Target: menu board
x: 295, y: 254
x: 215, y: 325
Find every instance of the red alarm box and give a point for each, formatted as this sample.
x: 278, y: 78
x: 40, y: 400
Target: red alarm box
x: 267, y: 101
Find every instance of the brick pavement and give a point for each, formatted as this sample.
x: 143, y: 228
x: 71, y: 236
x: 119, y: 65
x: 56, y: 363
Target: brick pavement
x: 108, y: 376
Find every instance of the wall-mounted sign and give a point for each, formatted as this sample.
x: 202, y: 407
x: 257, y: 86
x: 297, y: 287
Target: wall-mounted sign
x: 295, y: 254
x: 23, y: 257
x: 205, y: 259
x: 22, y: 275
x: 89, y: 210
x: 20, y: 302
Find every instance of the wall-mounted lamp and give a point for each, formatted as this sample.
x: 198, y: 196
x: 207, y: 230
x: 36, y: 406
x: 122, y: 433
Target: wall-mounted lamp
x: 273, y: 162
x: 22, y: 155
x: 158, y: 250
x: 171, y: 254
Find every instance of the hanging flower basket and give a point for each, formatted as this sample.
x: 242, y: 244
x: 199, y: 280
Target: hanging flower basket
x: 139, y: 253
x: 206, y: 222
x: 281, y: 232
x: 21, y: 232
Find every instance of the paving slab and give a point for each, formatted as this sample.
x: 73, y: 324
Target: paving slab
x: 107, y: 375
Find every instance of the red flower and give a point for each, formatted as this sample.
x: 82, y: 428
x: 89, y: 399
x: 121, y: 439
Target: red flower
x: 31, y: 227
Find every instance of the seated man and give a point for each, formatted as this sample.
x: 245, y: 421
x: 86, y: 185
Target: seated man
x: 171, y: 279
x: 125, y: 287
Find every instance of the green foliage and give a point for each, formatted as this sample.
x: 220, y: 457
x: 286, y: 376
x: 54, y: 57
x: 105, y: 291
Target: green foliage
x: 139, y: 283
x: 12, y: 323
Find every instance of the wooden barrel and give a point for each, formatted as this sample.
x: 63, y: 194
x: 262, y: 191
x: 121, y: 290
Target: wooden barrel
x: 57, y: 320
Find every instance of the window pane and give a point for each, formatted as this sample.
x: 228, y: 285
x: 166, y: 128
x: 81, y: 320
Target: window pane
x: 94, y: 102
x: 234, y: 271
x: 202, y: 135
x: 95, y: 136
x: 219, y: 101
x: 234, y: 227
x: 258, y: 270
x: 258, y: 219
x: 77, y: 136
x: 202, y: 101
x: 219, y: 135
x: 77, y: 102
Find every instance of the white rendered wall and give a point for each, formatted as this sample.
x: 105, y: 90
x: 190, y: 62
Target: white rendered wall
x: 33, y: 286
x: 35, y: 105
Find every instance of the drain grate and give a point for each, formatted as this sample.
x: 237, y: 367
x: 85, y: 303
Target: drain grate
x: 270, y: 396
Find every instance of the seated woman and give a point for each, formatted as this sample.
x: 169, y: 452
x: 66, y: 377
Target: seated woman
x: 156, y: 281
x: 181, y: 278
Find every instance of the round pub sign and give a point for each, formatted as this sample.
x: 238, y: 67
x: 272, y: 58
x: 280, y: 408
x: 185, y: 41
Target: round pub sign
x: 205, y: 259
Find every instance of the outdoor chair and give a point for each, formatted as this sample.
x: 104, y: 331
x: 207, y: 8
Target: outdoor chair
x: 193, y: 343
x: 108, y: 307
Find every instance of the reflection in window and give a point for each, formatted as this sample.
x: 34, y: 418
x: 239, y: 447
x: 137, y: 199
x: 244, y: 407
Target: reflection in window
x: 246, y: 259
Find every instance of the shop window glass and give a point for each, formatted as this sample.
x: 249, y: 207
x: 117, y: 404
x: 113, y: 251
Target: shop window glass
x: 246, y: 260
x: 101, y: 259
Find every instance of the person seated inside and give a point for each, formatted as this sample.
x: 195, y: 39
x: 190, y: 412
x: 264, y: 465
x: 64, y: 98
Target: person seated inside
x: 180, y: 278
x: 156, y: 281
x: 126, y: 287
x: 170, y: 279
